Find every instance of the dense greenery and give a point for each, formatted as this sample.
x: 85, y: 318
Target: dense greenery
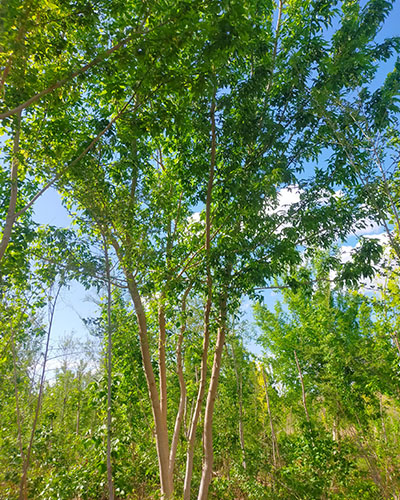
x: 173, y: 133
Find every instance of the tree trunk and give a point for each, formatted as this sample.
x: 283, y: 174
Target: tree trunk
x: 208, y: 417
x: 207, y: 311
x: 78, y: 411
x: 162, y: 442
x: 396, y: 341
x: 162, y: 366
x: 10, y: 218
x: 182, y: 387
x: 199, y: 402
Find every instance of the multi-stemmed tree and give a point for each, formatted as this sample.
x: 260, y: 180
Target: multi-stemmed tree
x: 169, y: 131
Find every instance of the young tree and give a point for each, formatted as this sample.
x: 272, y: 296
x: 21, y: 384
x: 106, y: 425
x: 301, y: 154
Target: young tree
x: 176, y: 139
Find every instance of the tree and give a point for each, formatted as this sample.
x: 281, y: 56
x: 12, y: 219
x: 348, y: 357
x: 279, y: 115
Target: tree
x: 176, y: 140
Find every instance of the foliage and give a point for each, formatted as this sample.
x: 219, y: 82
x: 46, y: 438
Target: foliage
x: 171, y: 132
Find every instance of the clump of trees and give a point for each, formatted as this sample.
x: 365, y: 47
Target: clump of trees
x: 170, y: 131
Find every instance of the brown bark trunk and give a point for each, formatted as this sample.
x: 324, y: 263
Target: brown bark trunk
x: 207, y: 311
x: 199, y: 402
x: 182, y: 387
x: 10, y: 218
x: 162, y: 442
x: 159, y: 408
x: 208, y: 417
x: 303, y: 392
x: 162, y: 366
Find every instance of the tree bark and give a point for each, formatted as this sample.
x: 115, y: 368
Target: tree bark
x: 158, y: 407
x: 207, y: 311
x: 10, y: 218
x: 162, y: 442
x: 396, y: 341
x: 199, y: 402
x: 182, y: 387
x: 162, y: 366
x: 211, y: 396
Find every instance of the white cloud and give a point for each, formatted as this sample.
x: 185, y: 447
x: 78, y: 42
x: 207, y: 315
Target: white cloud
x: 287, y: 197
x: 195, y: 225
x: 369, y: 284
x: 194, y: 218
x: 371, y: 228
x: 345, y: 253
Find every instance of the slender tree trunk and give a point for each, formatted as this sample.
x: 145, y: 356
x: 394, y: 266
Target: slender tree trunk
x: 110, y: 482
x: 275, y: 448
x: 182, y: 387
x: 162, y: 366
x: 158, y: 407
x: 199, y: 402
x: 303, y: 392
x: 23, y: 483
x: 335, y: 430
x: 160, y: 427
x: 10, y: 218
x: 207, y: 311
x: 188, y: 419
x: 211, y: 396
